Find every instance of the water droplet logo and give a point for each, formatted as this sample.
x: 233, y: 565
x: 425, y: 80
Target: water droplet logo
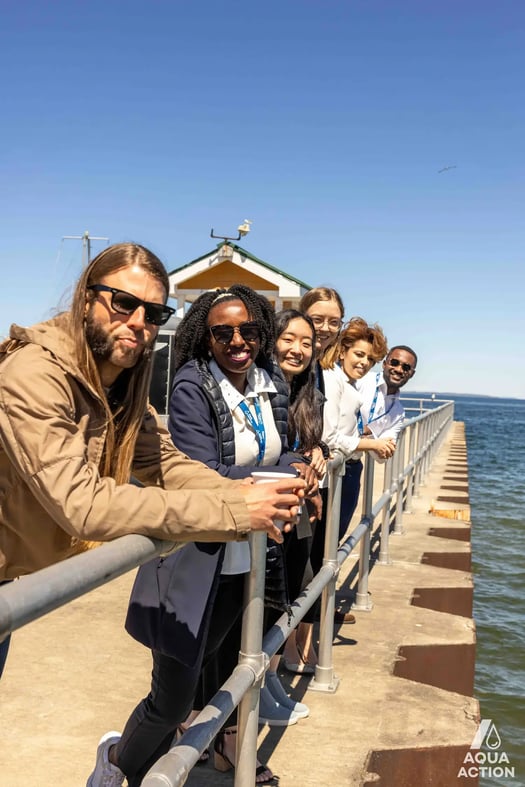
x: 492, y: 738
x: 488, y: 735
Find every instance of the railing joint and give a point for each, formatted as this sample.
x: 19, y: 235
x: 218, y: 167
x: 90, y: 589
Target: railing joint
x: 258, y: 663
x: 333, y: 564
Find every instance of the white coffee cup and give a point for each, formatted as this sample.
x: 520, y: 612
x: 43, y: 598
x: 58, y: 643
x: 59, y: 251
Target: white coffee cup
x: 267, y: 477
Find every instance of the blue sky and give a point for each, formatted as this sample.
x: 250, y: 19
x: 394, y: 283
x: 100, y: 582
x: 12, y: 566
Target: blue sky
x: 323, y: 122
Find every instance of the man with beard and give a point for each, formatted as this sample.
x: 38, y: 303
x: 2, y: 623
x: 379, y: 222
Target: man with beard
x: 382, y: 413
x: 75, y: 426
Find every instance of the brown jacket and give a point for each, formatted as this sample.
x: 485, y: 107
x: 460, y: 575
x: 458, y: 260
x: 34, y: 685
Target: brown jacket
x: 52, y: 497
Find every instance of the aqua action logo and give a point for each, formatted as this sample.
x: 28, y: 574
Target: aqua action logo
x: 486, y: 758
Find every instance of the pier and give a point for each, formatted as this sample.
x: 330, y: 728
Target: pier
x: 403, y: 714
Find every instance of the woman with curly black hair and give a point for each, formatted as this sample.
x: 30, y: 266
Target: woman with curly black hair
x: 228, y: 409
x: 193, y: 332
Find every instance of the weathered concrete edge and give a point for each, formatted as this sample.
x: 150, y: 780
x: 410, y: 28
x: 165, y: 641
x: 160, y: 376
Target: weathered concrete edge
x: 449, y: 665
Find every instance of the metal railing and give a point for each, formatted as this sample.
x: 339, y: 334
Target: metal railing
x: 35, y: 595
x: 420, y: 404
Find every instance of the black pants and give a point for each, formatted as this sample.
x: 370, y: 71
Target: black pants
x: 297, y: 557
x: 149, y: 731
x: 351, y: 484
x: 317, y: 554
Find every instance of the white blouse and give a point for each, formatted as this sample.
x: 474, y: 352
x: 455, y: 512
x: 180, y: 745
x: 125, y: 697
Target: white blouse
x: 342, y: 405
x: 258, y: 386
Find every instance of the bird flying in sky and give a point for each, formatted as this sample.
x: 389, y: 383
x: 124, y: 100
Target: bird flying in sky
x: 444, y: 169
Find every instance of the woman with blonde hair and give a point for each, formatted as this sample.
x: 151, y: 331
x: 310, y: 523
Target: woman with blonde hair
x: 324, y: 306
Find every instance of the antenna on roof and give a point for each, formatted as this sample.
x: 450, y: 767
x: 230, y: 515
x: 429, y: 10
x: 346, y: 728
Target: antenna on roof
x: 242, y: 229
x: 86, y: 239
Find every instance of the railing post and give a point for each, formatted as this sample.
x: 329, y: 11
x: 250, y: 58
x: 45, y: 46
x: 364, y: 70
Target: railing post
x: 420, y: 442
x: 397, y: 487
x: 400, y: 449
x: 362, y: 598
x: 251, y: 654
x: 411, y: 457
x: 384, y: 558
x: 431, y: 440
x: 428, y: 445
x: 324, y: 678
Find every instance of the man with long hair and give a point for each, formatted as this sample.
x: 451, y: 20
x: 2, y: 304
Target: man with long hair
x: 75, y: 426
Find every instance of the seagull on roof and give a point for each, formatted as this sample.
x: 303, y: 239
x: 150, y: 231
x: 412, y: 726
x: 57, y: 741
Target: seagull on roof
x: 452, y: 166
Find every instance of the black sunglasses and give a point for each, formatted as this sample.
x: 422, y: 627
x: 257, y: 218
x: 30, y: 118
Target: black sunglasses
x: 395, y: 363
x: 125, y: 303
x: 224, y: 333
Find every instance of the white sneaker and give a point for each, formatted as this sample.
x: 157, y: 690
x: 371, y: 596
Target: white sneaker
x: 106, y: 774
x: 273, y: 713
x: 276, y: 689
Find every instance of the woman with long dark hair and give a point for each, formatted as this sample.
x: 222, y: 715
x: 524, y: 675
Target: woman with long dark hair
x: 295, y: 353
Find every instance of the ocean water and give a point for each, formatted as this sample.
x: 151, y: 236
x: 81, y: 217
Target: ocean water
x: 495, y: 430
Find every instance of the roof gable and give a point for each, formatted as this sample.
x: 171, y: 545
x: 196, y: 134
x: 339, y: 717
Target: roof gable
x: 268, y: 276
x: 224, y: 274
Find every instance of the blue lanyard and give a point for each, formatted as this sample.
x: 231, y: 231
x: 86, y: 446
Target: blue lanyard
x: 372, y: 409
x: 257, y: 425
x: 374, y: 401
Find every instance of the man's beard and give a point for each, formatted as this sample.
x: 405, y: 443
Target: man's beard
x: 102, y: 344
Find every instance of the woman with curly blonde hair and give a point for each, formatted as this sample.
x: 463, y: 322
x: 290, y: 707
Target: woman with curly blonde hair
x: 360, y: 347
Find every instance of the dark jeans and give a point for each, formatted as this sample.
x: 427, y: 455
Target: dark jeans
x: 351, y: 484
x: 4, y: 645
x: 150, y: 729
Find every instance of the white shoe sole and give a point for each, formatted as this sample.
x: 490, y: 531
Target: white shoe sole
x: 279, y: 722
x: 301, y: 714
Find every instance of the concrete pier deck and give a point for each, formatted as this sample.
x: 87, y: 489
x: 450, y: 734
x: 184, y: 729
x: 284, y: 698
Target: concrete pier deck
x: 403, y: 714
